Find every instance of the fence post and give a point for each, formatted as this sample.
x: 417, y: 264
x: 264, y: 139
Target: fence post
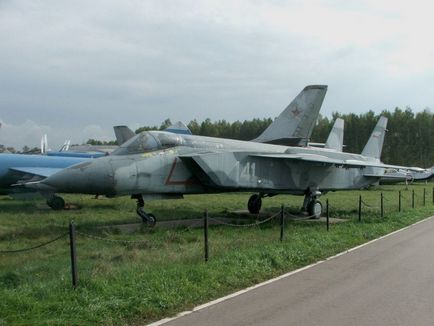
x: 360, y: 208
x: 327, y: 213
x: 424, y: 194
x: 399, y: 201
x: 412, y: 199
x: 282, y: 222
x: 381, y: 205
x: 205, y: 234
x: 73, y: 253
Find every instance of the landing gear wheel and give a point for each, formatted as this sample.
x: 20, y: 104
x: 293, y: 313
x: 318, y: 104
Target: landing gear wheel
x: 147, y: 218
x: 254, y: 204
x: 56, y: 203
x: 314, y: 209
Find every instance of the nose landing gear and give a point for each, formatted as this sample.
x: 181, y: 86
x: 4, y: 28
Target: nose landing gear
x: 147, y: 218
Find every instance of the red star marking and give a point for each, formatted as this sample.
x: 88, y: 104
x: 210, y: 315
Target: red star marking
x: 296, y: 112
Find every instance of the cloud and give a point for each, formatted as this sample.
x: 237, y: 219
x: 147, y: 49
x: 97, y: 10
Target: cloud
x: 68, y: 65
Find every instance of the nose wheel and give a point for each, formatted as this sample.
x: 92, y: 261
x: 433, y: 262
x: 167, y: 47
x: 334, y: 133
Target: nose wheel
x: 147, y: 218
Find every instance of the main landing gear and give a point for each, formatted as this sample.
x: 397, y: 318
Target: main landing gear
x: 147, y: 218
x: 311, y: 204
x: 254, y: 204
x: 56, y: 202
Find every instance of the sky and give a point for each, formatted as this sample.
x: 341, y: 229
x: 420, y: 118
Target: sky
x: 74, y: 69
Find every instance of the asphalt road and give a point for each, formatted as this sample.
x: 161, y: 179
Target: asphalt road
x: 387, y: 282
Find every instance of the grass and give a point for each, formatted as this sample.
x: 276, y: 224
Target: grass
x: 164, y: 272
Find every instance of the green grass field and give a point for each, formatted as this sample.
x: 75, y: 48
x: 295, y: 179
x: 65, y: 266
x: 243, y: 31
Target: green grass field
x: 164, y: 272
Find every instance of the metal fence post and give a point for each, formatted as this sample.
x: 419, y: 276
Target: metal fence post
x: 412, y: 199
x: 327, y: 213
x: 282, y: 222
x: 205, y: 234
x: 73, y: 253
x: 360, y: 208
x: 381, y: 205
x: 399, y: 201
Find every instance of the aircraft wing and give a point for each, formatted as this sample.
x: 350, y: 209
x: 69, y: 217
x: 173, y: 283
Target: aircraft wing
x: 300, y: 157
x: 324, y: 159
x: 315, y: 158
x: 234, y: 169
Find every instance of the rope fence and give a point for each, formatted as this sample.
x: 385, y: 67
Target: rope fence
x: 34, y: 247
x: 257, y: 223
x: 282, y: 214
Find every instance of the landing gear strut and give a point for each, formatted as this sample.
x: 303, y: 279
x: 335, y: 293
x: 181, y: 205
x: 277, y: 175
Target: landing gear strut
x: 254, y: 204
x: 311, y: 204
x: 146, y: 217
x: 56, y: 202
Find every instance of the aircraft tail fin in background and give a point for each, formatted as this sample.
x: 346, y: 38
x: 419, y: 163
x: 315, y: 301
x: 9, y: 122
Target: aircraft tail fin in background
x: 374, y: 146
x: 295, y: 124
x: 123, y: 133
x: 179, y: 128
x: 65, y: 146
x: 44, y: 144
x: 335, y: 139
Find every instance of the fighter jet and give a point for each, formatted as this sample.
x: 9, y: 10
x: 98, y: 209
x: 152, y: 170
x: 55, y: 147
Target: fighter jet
x: 22, y: 168
x: 164, y: 165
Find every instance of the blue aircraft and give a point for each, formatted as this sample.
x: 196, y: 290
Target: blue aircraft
x: 21, y: 168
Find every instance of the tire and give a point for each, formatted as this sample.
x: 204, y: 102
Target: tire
x: 149, y: 219
x: 314, y: 209
x: 254, y: 204
x: 152, y: 220
x: 57, y: 203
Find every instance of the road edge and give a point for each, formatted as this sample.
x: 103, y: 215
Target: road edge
x: 253, y: 287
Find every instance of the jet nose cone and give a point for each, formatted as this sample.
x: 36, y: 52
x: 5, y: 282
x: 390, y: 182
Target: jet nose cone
x: 90, y: 177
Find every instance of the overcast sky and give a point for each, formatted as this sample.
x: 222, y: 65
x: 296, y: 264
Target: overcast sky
x: 73, y: 69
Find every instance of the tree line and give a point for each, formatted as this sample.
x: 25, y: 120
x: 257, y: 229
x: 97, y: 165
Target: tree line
x: 409, y: 140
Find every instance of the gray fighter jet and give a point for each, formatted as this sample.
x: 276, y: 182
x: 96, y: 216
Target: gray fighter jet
x: 165, y: 165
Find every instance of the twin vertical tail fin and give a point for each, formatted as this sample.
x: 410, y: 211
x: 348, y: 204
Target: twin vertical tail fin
x: 374, y: 146
x: 123, y: 133
x: 335, y: 139
x: 179, y: 128
x: 295, y: 124
x: 65, y: 146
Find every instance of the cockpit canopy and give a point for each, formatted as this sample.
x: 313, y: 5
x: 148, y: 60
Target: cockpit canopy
x: 148, y: 141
